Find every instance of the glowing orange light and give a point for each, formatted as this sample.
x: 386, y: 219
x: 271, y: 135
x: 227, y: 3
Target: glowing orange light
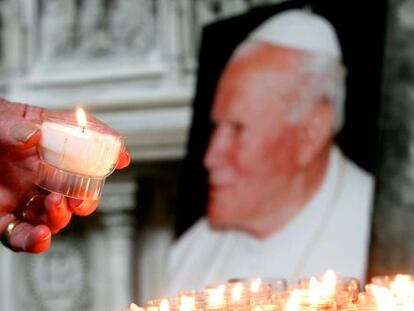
x: 187, y: 303
x: 134, y: 307
x: 293, y: 303
x: 328, y: 284
x: 236, y: 292
x: 215, y: 296
x: 255, y: 285
x: 321, y: 292
x: 402, y: 285
x: 314, y: 291
x: 383, y: 298
x: 164, y: 305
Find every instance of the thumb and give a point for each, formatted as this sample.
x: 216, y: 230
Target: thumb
x: 18, y: 132
x: 25, y: 134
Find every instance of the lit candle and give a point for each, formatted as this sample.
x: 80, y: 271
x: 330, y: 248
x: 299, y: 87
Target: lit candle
x: 187, y: 303
x: 319, y: 294
x: 259, y: 292
x: 393, y: 293
x: 293, y: 303
x: 134, y: 307
x: 191, y: 300
x: 215, y: 299
x: 164, y: 305
x: 76, y: 156
x: 238, y: 297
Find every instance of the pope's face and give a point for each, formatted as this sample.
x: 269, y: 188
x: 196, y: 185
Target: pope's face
x: 253, y: 149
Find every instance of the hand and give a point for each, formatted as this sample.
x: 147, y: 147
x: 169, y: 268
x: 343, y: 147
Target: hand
x: 42, y: 213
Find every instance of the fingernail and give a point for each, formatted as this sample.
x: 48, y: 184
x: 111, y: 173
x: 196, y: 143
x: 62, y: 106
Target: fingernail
x: 47, y: 237
x: 23, y: 131
x: 127, y: 157
x: 77, y: 203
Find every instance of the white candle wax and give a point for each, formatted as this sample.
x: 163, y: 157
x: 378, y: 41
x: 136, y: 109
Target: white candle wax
x: 76, y: 150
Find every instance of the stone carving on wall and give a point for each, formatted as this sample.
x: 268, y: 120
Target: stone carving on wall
x: 55, y: 280
x: 95, y: 33
x: 133, y: 34
x: 57, y: 29
x: 211, y: 10
x: 405, y: 15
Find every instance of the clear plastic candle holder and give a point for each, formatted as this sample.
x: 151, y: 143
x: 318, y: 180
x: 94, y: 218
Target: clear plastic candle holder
x: 76, y: 160
x: 238, y: 295
x: 191, y: 300
x: 162, y: 304
x: 279, y: 298
x: 260, y: 291
x: 392, y: 280
x: 215, y: 297
x: 365, y: 302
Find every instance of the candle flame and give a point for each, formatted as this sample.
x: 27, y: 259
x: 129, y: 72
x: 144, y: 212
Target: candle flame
x: 402, y: 285
x: 216, y: 296
x: 314, y: 291
x: 328, y: 283
x: 293, y: 303
x: 81, y: 118
x: 396, y: 295
x: 187, y: 303
x: 383, y: 298
x: 134, y: 307
x: 236, y: 292
x: 255, y: 285
x: 322, y: 291
x: 164, y: 305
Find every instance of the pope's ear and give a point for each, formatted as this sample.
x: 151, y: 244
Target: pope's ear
x: 315, y: 132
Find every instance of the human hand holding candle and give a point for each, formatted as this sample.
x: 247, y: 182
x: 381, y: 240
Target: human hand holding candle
x: 41, y: 212
x: 76, y: 156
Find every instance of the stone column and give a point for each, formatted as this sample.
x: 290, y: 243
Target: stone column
x: 393, y: 244
x: 117, y: 212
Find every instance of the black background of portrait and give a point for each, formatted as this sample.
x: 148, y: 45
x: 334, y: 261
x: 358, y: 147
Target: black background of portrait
x: 360, y: 28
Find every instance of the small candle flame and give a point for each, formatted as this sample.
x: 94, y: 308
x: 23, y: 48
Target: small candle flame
x: 402, y: 285
x: 134, y: 307
x: 216, y: 296
x: 236, y: 292
x: 328, y: 283
x: 383, y: 297
x: 293, y: 303
x: 81, y: 118
x: 187, y: 303
x: 314, y: 291
x: 255, y: 285
x: 164, y: 305
x: 322, y: 291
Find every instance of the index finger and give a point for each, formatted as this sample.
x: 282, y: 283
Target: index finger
x: 25, y: 237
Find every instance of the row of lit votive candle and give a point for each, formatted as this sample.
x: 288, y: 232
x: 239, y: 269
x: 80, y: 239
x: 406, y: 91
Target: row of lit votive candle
x: 326, y: 293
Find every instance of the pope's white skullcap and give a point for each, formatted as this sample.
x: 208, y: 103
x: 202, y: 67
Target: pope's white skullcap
x: 299, y: 29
